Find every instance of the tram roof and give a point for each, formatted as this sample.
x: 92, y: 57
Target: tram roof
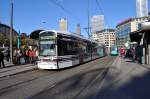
x: 68, y: 33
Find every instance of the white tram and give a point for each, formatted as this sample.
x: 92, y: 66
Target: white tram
x: 59, y: 50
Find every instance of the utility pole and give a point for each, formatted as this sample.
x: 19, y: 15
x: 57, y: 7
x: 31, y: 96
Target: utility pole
x: 11, y: 31
x: 89, y: 18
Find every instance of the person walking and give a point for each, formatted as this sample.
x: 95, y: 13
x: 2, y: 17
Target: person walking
x: 122, y: 52
x: 2, y: 59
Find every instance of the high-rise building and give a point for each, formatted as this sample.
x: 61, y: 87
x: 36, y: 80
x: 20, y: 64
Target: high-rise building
x: 97, y: 23
x: 142, y: 8
x: 78, y: 29
x: 63, y: 24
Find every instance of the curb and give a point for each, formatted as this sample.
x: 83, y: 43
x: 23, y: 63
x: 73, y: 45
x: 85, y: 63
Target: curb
x: 145, y: 66
x: 15, y: 72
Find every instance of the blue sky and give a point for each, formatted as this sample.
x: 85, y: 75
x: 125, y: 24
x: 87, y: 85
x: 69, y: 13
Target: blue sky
x: 30, y: 15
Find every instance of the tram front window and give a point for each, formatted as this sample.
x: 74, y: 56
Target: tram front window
x: 47, y: 48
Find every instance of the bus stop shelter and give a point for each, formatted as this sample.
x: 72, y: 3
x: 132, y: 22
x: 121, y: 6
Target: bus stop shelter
x: 142, y: 36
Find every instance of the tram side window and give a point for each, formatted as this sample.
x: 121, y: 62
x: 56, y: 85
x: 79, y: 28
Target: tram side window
x: 88, y: 48
x: 67, y: 47
x: 60, y: 48
x: 64, y: 48
x: 75, y: 48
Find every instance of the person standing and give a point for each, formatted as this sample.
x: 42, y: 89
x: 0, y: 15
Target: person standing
x: 2, y: 59
x: 138, y: 53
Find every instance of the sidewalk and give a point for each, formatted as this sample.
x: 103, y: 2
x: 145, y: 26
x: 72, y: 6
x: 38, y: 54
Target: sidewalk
x: 12, y: 69
x: 7, y: 64
x: 125, y: 80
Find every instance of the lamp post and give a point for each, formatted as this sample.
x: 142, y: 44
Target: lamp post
x: 11, y: 31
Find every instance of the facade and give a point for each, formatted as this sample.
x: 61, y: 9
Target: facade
x: 125, y: 27
x: 97, y: 24
x: 63, y: 24
x: 142, y: 8
x: 106, y: 37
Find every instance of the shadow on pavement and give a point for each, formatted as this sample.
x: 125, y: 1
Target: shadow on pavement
x: 70, y: 87
x: 135, y: 88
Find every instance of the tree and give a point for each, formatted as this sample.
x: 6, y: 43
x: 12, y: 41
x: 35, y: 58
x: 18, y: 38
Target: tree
x: 2, y: 39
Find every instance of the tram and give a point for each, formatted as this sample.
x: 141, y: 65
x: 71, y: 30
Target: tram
x: 114, y: 51
x: 59, y: 50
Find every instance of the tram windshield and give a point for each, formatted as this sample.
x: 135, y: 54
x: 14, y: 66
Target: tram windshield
x: 47, y: 44
x: 114, y: 48
x: 47, y: 48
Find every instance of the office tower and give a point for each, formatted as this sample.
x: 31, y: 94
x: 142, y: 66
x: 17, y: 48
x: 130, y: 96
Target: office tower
x: 141, y: 8
x: 97, y: 23
x: 78, y: 29
x: 63, y: 24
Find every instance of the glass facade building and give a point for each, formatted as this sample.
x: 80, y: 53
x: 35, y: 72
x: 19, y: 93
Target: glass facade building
x: 124, y: 29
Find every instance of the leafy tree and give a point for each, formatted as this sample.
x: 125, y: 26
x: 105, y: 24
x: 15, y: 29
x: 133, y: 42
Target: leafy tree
x: 2, y: 39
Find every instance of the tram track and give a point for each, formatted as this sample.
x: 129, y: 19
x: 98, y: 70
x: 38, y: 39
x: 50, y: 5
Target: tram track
x: 100, y: 74
x: 23, y: 78
x: 28, y: 78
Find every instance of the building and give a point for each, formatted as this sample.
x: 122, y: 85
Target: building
x: 142, y: 8
x: 97, y: 23
x: 125, y: 27
x: 106, y: 37
x: 78, y: 29
x: 5, y: 32
x: 63, y: 24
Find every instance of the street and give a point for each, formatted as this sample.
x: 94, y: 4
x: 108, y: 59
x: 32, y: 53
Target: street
x: 64, y: 84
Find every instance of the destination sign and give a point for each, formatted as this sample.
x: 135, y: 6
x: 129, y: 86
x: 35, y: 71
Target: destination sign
x: 47, y: 37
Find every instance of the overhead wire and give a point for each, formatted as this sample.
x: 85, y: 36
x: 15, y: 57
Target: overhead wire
x: 100, y: 8
x: 55, y: 2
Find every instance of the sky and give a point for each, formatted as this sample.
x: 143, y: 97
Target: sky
x: 30, y: 15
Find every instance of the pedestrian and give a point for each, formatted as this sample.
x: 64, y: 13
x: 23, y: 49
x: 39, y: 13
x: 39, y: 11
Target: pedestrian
x: 18, y: 55
x: 2, y: 59
x: 36, y: 53
x: 30, y: 55
x: 133, y: 53
x: 34, y: 56
x: 122, y: 51
x: 138, y: 53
